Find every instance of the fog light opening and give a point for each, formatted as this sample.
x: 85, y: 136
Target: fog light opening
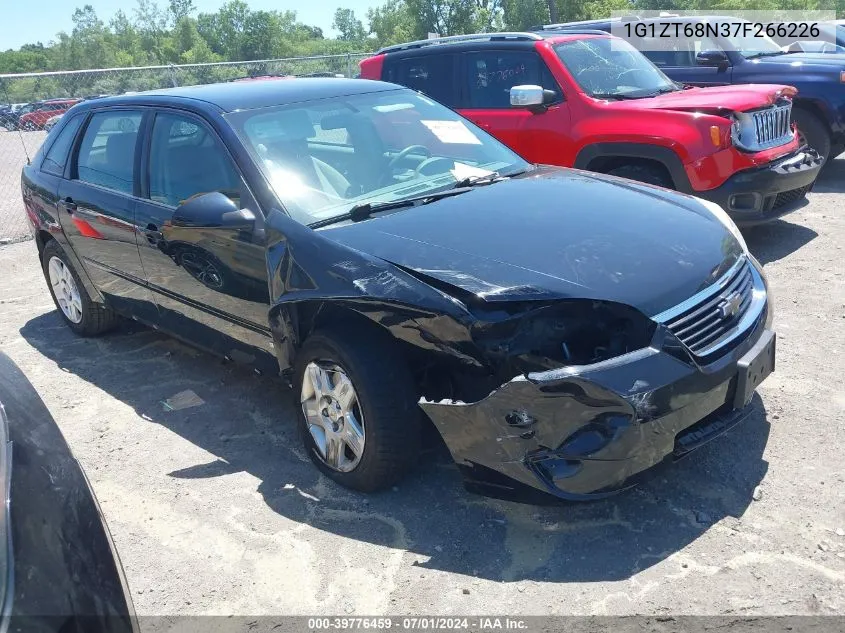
x: 745, y: 202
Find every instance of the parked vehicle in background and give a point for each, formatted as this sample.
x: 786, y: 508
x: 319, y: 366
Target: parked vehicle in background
x: 10, y: 115
x: 58, y: 565
x: 819, y: 106
x: 37, y: 117
x: 594, y: 102
x: 49, y: 123
x: 832, y: 40
x: 7, y: 117
x: 562, y: 330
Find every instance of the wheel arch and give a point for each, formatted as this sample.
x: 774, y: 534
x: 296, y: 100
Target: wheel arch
x: 428, y: 342
x: 43, y: 237
x: 602, y: 156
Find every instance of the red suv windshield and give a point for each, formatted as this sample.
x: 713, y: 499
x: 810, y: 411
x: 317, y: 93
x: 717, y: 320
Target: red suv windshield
x: 612, y: 68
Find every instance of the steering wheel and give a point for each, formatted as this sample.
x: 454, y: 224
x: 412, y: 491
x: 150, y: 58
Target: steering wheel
x: 433, y: 160
x: 405, y: 152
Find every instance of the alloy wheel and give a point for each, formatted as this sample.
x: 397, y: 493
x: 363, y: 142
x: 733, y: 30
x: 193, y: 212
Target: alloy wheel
x: 65, y: 290
x: 333, y: 415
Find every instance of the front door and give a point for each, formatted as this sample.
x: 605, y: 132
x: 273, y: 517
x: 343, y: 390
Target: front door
x: 96, y: 204
x: 210, y: 282
x: 537, y: 136
x: 679, y: 62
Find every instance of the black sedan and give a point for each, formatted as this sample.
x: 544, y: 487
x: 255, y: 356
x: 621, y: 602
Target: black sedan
x: 564, y: 331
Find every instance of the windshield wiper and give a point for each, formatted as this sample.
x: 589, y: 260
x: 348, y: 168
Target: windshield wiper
x: 486, y: 179
x: 767, y: 54
x: 364, y: 210
x: 615, y: 95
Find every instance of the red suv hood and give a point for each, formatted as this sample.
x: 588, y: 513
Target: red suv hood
x: 716, y: 99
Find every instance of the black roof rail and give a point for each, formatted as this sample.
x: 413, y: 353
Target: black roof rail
x: 574, y: 31
x: 455, y: 39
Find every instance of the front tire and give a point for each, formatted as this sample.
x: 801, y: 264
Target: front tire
x: 81, y: 315
x: 813, y: 130
x: 648, y: 174
x: 359, y: 417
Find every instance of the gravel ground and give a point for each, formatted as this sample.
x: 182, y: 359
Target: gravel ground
x: 215, y: 509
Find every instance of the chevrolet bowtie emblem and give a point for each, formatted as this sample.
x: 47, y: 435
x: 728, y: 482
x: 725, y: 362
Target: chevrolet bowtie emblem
x: 730, y: 306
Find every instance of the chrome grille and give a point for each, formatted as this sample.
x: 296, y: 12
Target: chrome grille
x: 772, y: 126
x: 705, y: 325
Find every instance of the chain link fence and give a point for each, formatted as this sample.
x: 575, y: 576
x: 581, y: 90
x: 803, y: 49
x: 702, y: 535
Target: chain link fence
x: 31, y: 103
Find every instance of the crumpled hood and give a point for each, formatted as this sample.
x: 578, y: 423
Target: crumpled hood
x: 716, y: 99
x: 556, y: 233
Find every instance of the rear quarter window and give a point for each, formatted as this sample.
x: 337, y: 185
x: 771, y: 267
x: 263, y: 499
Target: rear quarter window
x: 56, y: 158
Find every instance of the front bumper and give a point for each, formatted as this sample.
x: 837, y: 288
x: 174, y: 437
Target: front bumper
x: 585, y: 433
x: 762, y: 194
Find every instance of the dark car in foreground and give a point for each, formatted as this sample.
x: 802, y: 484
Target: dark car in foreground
x: 563, y: 330
x: 59, y: 571
x: 818, y: 108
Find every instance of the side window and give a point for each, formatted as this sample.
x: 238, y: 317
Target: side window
x: 491, y: 75
x: 107, y: 152
x: 187, y: 160
x: 56, y: 158
x: 677, y: 52
x: 432, y: 75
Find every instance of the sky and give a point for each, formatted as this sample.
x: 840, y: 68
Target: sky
x: 20, y: 25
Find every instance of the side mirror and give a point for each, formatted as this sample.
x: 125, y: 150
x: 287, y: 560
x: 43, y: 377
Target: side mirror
x: 213, y: 210
x: 532, y: 97
x: 712, y: 58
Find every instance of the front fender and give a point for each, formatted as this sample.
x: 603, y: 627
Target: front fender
x: 307, y: 270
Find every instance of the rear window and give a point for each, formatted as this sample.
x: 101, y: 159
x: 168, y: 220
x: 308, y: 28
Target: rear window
x: 432, y: 75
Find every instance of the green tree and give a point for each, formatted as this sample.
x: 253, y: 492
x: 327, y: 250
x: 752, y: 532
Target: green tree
x: 350, y: 28
x: 180, y: 9
x: 524, y: 14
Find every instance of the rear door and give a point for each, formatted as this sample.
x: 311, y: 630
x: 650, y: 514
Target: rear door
x: 489, y: 74
x: 435, y: 76
x: 96, y: 205
x: 210, y: 282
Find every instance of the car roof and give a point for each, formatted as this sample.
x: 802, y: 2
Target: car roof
x: 249, y: 95
x: 472, y: 41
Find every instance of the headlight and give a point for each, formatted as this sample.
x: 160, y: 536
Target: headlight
x: 725, y: 219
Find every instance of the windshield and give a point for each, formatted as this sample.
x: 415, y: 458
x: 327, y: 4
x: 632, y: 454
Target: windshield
x: 751, y: 43
x: 324, y: 157
x: 612, y: 67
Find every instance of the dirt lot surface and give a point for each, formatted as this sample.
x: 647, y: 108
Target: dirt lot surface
x: 215, y: 509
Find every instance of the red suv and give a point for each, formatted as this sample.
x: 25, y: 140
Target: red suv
x: 592, y: 101
x: 44, y: 111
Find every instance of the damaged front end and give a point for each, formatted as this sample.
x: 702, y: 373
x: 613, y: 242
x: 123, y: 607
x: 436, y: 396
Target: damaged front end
x: 615, y: 393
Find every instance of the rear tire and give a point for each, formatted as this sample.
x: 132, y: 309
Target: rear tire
x: 385, y: 407
x: 649, y: 174
x: 813, y: 130
x: 80, y: 313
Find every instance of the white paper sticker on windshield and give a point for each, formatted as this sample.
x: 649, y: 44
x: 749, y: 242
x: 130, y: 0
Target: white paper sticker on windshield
x: 452, y: 132
x: 462, y: 170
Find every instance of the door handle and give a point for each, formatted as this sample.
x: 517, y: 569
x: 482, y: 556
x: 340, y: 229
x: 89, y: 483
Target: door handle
x: 69, y: 205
